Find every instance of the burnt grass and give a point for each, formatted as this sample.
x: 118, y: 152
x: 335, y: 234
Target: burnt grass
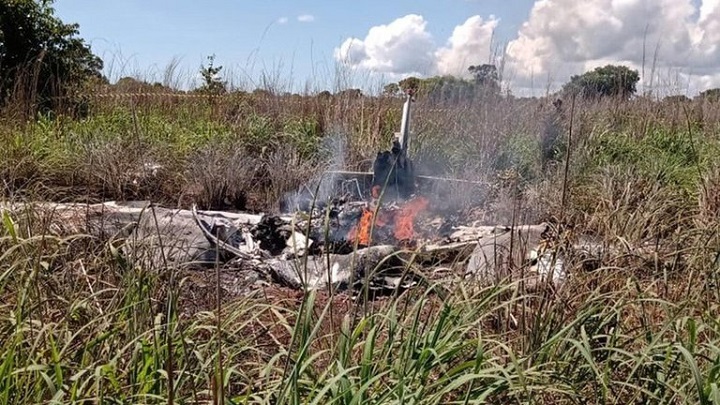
x: 81, y: 323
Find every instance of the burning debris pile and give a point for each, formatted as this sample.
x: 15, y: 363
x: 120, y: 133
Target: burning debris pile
x: 351, y: 245
x: 388, y: 210
x: 387, y: 224
x: 376, y: 237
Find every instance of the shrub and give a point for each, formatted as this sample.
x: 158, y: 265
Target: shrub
x: 605, y: 81
x: 41, y: 57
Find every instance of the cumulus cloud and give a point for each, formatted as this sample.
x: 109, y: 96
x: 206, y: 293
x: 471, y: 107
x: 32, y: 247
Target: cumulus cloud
x: 405, y: 47
x: 402, y: 47
x: 470, y: 44
x: 282, y: 20
x: 673, y: 43
x: 564, y: 37
x: 306, y: 18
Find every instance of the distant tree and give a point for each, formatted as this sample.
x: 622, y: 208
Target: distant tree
x: 679, y: 98
x: 409, y: 83
x: 350, y: 93
x: 132, y: 85
x: 712, y: 95
x: 609, y: 80
x: 452, y: 89
x: 392, y: 89
x: 212, y: 83
x: 261, y: 93
x: 486, y: 77
x: 42, y: 56
x: 448, y: 89
x: 324, y: 95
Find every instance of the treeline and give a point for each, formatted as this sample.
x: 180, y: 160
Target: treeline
x: 46, y: 66
x: 484, y: 83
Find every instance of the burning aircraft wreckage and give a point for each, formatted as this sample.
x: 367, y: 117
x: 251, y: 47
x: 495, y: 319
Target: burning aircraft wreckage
x: 384, y: 236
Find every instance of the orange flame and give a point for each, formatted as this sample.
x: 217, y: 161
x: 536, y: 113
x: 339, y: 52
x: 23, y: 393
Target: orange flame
x: 404, y: 220
x: 362, y: 231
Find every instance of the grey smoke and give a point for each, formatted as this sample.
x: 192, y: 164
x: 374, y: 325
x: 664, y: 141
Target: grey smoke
x: 322, y: 185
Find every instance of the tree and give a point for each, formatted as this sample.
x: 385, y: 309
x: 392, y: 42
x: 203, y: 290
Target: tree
x: 133, y: 85
x: 409, y: 83
x: 350, y: 93
x: 211, y: 78
x: 712, y: 95
x: 447, y: 89
x: 392, y: 90
x: 41, y: 57
x: 452, y: 89
x: 605, y: 81
x: 677, y: 99
x: 486, y: 77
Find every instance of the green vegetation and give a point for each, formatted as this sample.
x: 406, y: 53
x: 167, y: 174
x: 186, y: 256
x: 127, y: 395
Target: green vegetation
x: 80, y: 322
x: 83, y: 323
x: 710, y: 95
x: 211, y: 81
x: 485, y: 83
x: 604, y: 81
x: 40, y: 56
x: 486, y: 76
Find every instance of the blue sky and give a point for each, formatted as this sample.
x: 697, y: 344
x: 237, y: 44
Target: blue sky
x: 137, y: 37
x: 546, y: 40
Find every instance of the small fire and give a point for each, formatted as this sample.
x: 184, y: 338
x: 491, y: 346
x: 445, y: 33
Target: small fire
x: 362, y: 231
x: 402, y: 221
x: 405, y: 218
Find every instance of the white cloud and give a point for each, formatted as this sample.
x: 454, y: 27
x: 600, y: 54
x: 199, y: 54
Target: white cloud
x: 470, y: 44
x: 405, y: 47
x: 402, y: 47
x: 677, y: 42
x: 282, y: 20
x: 306, y: 18
x: 564, y: 37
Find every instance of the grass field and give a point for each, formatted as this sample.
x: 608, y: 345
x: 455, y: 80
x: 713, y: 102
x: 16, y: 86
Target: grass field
x: 80, y: 323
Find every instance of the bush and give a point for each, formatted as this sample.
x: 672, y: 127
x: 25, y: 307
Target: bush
x: 41, y: 57
x: 605, y: 81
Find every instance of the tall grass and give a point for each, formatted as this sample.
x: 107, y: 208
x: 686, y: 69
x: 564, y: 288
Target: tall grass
x: 82, y: 322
